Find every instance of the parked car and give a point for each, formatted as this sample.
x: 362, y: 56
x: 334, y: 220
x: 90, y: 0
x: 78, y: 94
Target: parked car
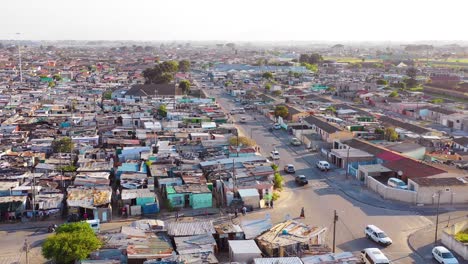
x: 274, y: 154
x: 277, y: 126
x: 301, y: 180
x: 243, y: 119
x: 374, y: 256
x: 443, y: 255
x: 295, y: 142
x: 374, y: 233
x: 289, y: 168
x: 397, y: 183
x: 323, y: 165
x: 462, y: 166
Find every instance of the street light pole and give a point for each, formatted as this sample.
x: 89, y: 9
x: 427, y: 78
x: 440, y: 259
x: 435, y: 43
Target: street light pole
x: 437, y: 217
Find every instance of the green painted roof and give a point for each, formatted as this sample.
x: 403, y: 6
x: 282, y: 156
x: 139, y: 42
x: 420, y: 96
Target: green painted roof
x: 170, y: 190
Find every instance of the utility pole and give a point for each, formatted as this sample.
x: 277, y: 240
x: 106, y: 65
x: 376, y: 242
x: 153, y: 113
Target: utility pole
x: 335, y: 219
x: 437, y: 217
x: 347, y: 162
x: 20, y: 63
x: 26, y: 249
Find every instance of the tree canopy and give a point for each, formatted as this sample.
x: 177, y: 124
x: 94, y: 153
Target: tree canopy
x: 391, y: 134
x: 313, y: 58
x: 382, y: 82
x: 162, y: 110
x: 185, y: 86
x: 72, y: 242
x: 62, y: 145
x: 310, y: 67
x: 244, y: 141
x: 393, y: 94
x: 268, y: 86
x: 267, y: 75
x: 161, y: 72
x: 184, y: 66
x: 282, y: 111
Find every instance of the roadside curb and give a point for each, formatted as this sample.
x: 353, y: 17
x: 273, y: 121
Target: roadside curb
x: 408, y: 241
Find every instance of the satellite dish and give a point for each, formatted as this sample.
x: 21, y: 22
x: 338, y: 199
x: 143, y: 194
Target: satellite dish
x: 400, y: 173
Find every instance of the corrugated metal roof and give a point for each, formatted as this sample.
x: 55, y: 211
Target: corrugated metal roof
x: 284, y: 260
x: 254, y: 228
x: 195, y: 244
x: 190, y: 228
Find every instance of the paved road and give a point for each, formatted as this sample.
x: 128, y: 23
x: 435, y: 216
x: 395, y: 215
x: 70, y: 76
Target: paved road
x: 320, y: 198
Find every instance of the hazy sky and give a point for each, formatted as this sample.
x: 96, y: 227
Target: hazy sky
x: 399, y: 20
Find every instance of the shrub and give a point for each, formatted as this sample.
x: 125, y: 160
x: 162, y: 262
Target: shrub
x: 275, y: 196
x: 278, y: 181
x: 462, y: 236
x: 274, y: 167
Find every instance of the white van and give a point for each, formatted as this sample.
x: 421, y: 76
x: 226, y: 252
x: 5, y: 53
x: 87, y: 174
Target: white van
x: 95, y: 225
x: 374, y: 256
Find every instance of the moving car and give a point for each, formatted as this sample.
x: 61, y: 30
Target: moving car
x: 289, y: 168
x: 443, y: 255
x: 295, y: 142
x: 274, y: 154
x: 277, y: 126
x: 301, y: 180
x: 374, y: 233
x: 374, y: 256
x: 243, y: 119
x: 397, y: 183
x: 323, y: 165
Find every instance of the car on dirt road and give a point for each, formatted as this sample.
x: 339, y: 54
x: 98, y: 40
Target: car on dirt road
x: 377, y: 235
x: 323, y: 165
x: 301, y: 180
x: 289, y: 168
x: 274, y: 155
x: 295, y: 142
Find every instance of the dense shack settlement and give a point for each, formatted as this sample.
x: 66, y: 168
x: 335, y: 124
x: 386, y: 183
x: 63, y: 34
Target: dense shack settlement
x: 203, y: 153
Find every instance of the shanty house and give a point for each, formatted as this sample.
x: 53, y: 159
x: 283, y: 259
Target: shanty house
x: 290, y: 238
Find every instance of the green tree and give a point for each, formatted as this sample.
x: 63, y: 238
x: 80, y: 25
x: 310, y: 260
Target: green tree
x: 313, y: 58
x: 227, y: 84
x: 379, y: 131
x: 277, y: 93
x: 411, y: 81
x: 310, y: 67
x: 331, y: 109
x: 281, y: 110
x: 244, y: 141
x: 161, y: 72
x: 170, y: 66
x: 184, y: 66
x: 267, y: 75
x: 391, y: 134
x: 274, y: 167
x: 107, y: 95
x: 411, y: 72
x: 382, y: 82
x: 268, y: 86
x: 278, y: 181
x: 185, y: 86
x: 67, y: 168
x: 57, y: 77
x: 162, y: 110
x: 52, y: 84
x: 437, y: 101
x: 62, y: 145
x: 72, y: 242
x: 393, y: 94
